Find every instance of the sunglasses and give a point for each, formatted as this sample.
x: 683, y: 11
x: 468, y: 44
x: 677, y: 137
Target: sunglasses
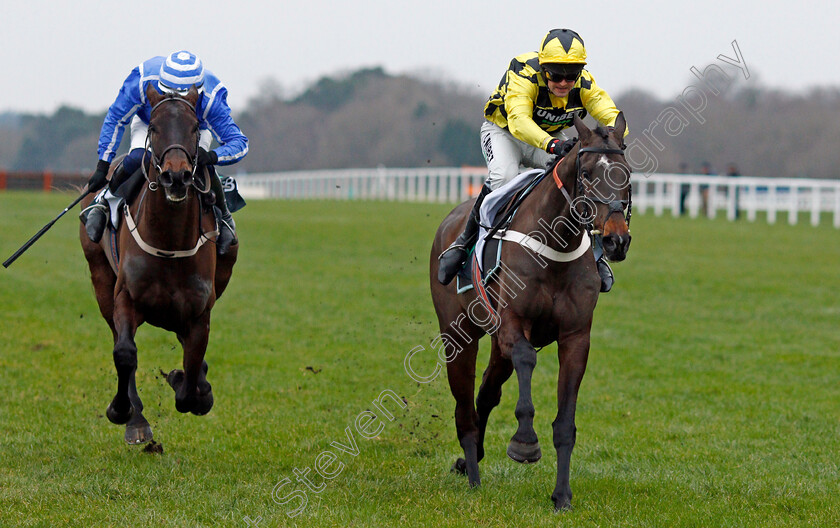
x: 565, y: 76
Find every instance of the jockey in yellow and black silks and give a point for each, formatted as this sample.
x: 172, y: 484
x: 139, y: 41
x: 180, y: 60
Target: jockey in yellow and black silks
x: 538, y: 97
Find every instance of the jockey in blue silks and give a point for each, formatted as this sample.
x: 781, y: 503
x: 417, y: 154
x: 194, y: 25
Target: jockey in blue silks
x: 176, y: 73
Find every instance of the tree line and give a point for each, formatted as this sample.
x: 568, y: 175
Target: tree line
x: 369, y: 118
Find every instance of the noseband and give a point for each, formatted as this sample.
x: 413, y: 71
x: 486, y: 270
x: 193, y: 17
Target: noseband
x: 615, y: 206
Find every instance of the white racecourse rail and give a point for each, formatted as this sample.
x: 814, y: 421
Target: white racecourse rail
x: 736, y: 196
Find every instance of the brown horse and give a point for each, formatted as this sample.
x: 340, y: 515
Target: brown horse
x: 540, y: 299
x: 166, y: 275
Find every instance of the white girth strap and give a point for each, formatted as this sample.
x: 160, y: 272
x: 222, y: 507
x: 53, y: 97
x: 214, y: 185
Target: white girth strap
x: 132, y: 227
x: 541, y: 249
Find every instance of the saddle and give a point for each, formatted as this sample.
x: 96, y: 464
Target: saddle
x: 497, y: 213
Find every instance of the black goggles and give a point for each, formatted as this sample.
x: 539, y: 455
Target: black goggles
x: 555, y: 76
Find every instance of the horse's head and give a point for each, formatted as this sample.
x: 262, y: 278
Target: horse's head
x: 173, y: 141
x: 603, y: 185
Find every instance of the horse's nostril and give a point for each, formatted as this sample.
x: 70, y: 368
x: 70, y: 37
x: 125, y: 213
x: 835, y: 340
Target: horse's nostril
x: 610, y: 243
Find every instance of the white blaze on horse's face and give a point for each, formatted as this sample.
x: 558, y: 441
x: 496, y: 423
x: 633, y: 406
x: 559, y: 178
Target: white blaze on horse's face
x: 615, y: 176
x: 604, y: 162
x: 594, y: 183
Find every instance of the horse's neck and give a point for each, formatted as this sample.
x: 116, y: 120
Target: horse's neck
x: 553, y: 211
x: 172, y: 226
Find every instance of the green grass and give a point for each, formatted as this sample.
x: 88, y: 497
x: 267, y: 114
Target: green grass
x: 712, y: 396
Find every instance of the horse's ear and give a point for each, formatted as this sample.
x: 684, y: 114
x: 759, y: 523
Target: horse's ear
x: 620, y: 128
x: 192, y: 95
x: 583, y: 131
x: 152, y: 95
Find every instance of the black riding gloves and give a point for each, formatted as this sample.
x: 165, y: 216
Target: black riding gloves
x: 100, y: 176
x: 207, y: 158
x: 560, y: 147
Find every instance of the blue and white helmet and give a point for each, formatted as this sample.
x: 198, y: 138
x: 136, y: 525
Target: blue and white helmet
x: 180, y: 72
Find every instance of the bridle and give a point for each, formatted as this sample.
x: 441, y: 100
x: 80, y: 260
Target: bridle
x: 580, y: 195
x: 157, y: 161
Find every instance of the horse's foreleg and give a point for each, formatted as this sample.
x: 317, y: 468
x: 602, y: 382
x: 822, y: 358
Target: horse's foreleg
x: 497, y: 373
x: 126, y: 321
x: 524, y: 446
x: 137, y: 430
x: 460, y: 370
x: 573, y: 353
x: 192, y: 391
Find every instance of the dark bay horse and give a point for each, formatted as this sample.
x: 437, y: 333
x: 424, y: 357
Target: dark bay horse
x: 541, y: 298
x: 166, y: 275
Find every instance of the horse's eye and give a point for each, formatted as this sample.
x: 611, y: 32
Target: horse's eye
x: 585, y: 174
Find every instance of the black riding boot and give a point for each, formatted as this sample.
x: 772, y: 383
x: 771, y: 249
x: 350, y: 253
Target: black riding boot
x: 606, y: 274
x: 95, y: 216
x: 604, y: 270
x: 456, y: 255
x: 227, y: 227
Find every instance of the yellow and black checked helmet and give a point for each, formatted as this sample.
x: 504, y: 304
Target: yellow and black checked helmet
x: 562, y: 46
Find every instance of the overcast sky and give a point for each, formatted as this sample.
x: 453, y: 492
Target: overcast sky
x: 79, y: 52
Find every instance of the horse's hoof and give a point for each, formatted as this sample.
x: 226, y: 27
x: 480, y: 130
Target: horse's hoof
x: 203, y: 405
x: 183, y: 406
x: 116, y: 417
x: 138, y: 434
x: 459, y: 467
x: 562, y: 503
x: 175, y: 378
x: 524, y: 453
x: 474, y: 482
